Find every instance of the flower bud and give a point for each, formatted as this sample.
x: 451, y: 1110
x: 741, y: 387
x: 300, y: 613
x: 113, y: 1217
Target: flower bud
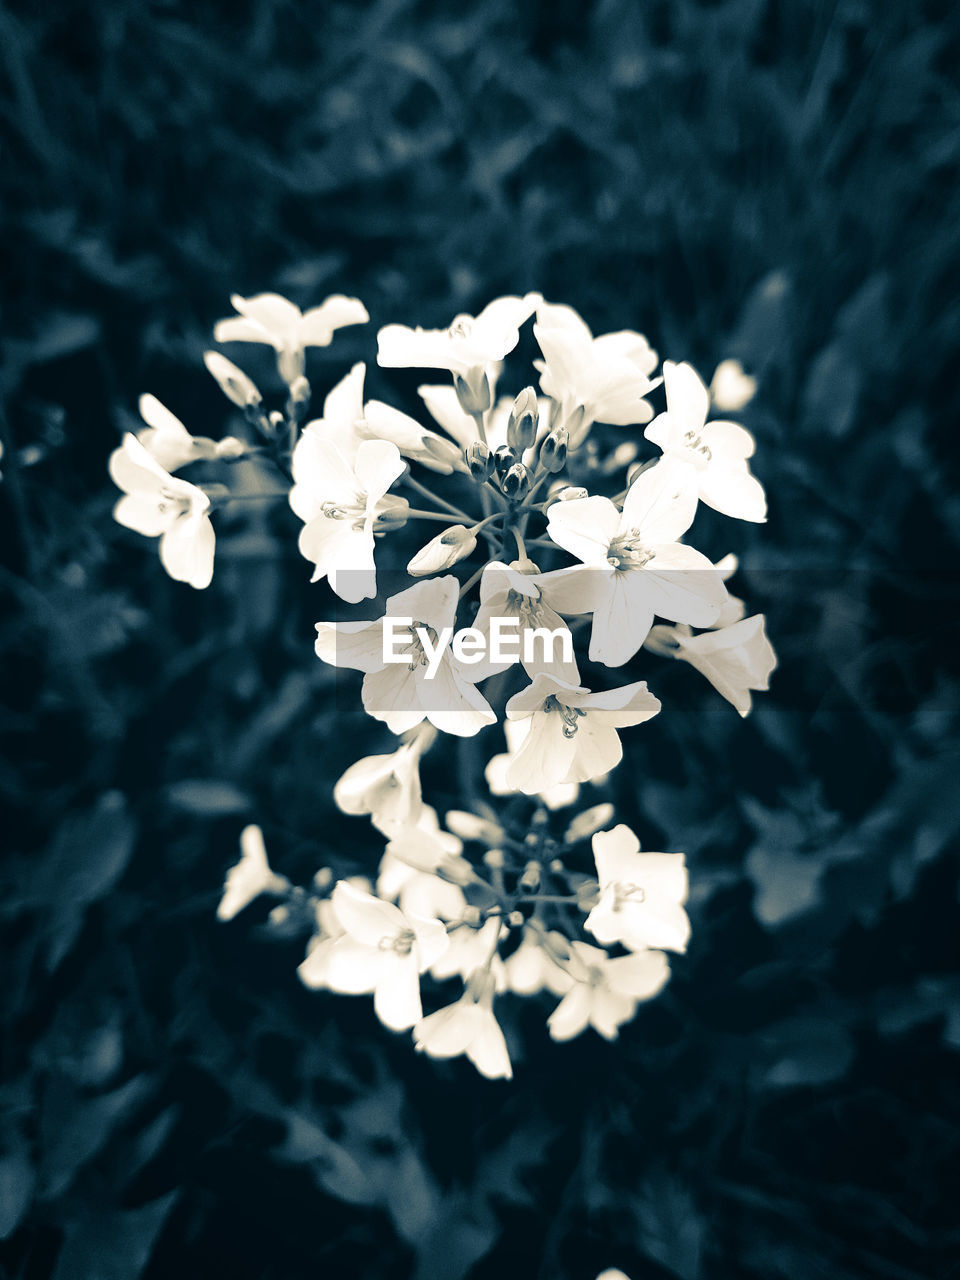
x: 553, y: 451
x: 523, y: 421
x: 493, y: 859
x: 504, y: 458
x: 480, y: 461
x: 473, y: 392
x: 516, y: 483
x: 233, y: 382
x: 230, y: 448
x: 299, y: 390
x: 530, y: 880
x: 442, y: 551
x: 469, y: 826
x: 588, y: 823
x: 392, y: 513
x: 572, y: 493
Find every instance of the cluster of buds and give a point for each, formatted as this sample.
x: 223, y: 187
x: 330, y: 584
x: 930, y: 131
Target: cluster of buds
x: 507, y: 896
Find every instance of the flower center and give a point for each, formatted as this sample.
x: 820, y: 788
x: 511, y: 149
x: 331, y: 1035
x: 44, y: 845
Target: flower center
x: 401, y: 943
x: 461, y: 327
x: 624, y: 893
x: 569, y: 715
x: 526, y: 608
x: 172, y: 502
x: 693, y: 441
x: 627, y: 552
x: 414, y: 649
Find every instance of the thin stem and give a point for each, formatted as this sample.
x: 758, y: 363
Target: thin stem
x: 441, y: 502
x: 257, y: 497
x: 481, y: 428
x: 416, y: 514
x: 474, y: 577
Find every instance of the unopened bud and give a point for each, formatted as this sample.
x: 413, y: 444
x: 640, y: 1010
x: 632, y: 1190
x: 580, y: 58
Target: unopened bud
x: 480, y: 461
x: 504, y: 459
x: 553, y: 451
x: 515, y: 919
x: 572, y: 493
x: 442, y: 551
x: 516, y: 483
x: 299, y: 398
x: 392, y: 513
x: 473, y: 391
x: 471, y: 916
x: 233, y: 382
x: 230, y: 448
x: 588, y: 823
x: 524, y: 420
x: 470, y: 826
x: 323, y: 879
x: 493, y: 859
x: 530, y: 880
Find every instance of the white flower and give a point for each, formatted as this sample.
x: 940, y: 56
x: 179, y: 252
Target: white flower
x: 467, y: 345
x: 160, y: 505
x: 606, y: 992
x: 250, y: 877
x: 400, y: 693
x: 468, y: 1026
x: 573, y: 732
x: 532, y: 967
x: 497, y: 771
x: 734, y: 658
x: 634, y: 567
x: 422, y: 868
x: 606, y: 377
x: 731, y: 388
x: 472, y: 948
x: 507, y: 592
x: 387, y: 787
x: 340, y: 501
x: 167, y: 440
x: 274, y: 320
x: 382, y: 950
x: 717, y: 451
x: 641, y: 894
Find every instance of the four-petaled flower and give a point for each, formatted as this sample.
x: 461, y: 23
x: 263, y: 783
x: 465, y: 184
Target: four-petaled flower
x: 274, y: 320
x: 734, y: 658
x: 592, y: 379
x: 506, y: 591
x: 605, y: 992
x: 422, y: 868
x: 573, y: 732
x: 250, y: 877
x: 717, y: 452
x: 168, y: 441
x: 341, y: 501
x: 641, y: 894
x: 381, y: 950
x: 470, y: 343
x: 387, y: 787
x: 470, y: 1027
x: 163, y: 506
x: 633, y: 566
x: 399, y: 693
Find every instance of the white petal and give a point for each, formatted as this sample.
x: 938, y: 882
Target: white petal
x: 351, y: 644
x: 622, y: 621
x: 572, y: 1014
x: 585, y: 527
x: 488, y: 1049
x: 187, y: 549
x: 396, y: 1001
x: 688, y: 400
x: 317, y: 326
x: 640, y: 976
x: 365, y: 917
x: 733, y: 491
x: 662, y: 501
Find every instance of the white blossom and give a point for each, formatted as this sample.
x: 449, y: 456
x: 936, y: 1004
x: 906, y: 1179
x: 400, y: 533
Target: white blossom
x: 381, y: 950
x: 731, y: 389
x: 472, y: 947
x: 422, y: 868
x: 233, y: 382
x: 506, y: 591
x: 443, y: 551
x: 573, y: 732
x: 468, y: 344
x: 250, y: 877
x: 168, y: 441
x: 387, y: 787
x: 498, y: 770
x: 735, y: 658
x: 716, y: 451
x: 532, y: 967
x: 467, y: 1027
x: 163, y: 506
x: 606, y: 991
x: 400, y: 694
x: 633, y: 566
x: 641, y: 894
x: 340, y: 500
x: 418, y: 443
x: 278, y: 322
x: 601, y: 379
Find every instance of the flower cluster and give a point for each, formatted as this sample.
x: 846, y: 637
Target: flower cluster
x: 539, y: 544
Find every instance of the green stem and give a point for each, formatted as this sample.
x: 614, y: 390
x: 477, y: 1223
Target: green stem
x: 441, y: 502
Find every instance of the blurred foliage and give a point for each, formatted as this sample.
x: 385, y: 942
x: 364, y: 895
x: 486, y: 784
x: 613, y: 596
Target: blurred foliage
x: 733, y: 177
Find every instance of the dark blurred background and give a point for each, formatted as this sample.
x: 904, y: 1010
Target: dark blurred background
x: 736, y: 178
